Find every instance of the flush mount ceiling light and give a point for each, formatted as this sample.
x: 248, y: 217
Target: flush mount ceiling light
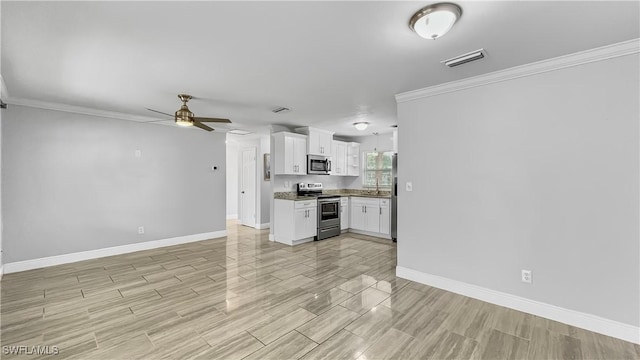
x: 361, y: 125
x: 435, y: 20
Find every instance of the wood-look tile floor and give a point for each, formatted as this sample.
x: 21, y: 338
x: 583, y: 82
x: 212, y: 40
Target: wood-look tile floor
x: 244, y: 297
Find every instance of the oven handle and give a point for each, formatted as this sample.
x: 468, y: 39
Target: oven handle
x: 329, y: 163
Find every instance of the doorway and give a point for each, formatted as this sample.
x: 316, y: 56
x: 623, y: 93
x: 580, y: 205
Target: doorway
x: 248, y: 188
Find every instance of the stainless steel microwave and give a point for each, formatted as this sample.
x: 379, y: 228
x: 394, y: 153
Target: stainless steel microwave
x: 318, y: 165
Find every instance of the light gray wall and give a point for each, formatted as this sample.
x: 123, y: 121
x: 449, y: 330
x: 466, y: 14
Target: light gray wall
x: 72, y: 182
x: 536, y: 173
x: 1, y: 217
x: 232, y: 178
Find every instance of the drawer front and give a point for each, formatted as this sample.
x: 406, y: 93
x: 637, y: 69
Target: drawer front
x: 364, y: 201
x: 384, y: 202
x: 306, y: 204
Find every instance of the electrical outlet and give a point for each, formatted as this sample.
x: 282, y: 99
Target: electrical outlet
x: 138, y: 153
x: 526, y: 276
x: 140, y: 230
x: 409, y: 186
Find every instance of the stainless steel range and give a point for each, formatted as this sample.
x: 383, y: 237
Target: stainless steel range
x: 328, y: 209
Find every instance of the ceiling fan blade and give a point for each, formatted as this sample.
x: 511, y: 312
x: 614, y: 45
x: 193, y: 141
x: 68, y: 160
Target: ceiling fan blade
x: 203, y: 119
x: 160, y: 112
x: 202, y: 126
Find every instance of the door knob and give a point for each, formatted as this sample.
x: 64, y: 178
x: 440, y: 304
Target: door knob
x: 242, y: 192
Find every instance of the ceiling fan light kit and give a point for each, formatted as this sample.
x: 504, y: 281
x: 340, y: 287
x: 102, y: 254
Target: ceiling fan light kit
x: 183, y: 122
x: 184, y: 116
x: 433, y: 21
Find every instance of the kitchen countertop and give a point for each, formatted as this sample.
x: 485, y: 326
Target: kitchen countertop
x: 292, y: 195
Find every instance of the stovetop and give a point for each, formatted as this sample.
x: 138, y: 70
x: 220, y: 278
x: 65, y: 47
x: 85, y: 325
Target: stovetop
x: 313, y: 190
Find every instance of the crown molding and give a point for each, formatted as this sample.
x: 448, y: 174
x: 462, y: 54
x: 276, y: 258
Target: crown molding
x: 79, y: 110
x: 583, y: 57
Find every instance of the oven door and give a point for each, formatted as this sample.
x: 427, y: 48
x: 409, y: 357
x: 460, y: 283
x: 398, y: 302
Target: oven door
x: 328, y: 213
x: 318, y: 165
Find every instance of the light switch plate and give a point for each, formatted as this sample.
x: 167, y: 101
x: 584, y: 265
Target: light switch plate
x: 409, y: 186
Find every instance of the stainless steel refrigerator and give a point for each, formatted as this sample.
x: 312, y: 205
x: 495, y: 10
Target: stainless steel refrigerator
x: 394, y: 198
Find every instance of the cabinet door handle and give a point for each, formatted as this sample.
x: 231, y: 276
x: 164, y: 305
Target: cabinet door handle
x: 380, y: 211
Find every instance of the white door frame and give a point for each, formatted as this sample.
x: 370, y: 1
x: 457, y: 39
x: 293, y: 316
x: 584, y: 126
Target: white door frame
x: 242, y: 220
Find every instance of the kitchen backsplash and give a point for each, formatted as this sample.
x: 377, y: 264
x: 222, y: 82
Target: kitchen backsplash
x: 288, y: 182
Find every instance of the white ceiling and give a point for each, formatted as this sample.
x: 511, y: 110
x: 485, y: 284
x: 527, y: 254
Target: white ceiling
x: 332, y: 63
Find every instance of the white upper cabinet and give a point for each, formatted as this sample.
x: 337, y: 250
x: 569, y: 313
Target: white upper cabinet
x: 339, y: 158
x: 290, y: 156
x: 319, y: 142
x: 353, y: 159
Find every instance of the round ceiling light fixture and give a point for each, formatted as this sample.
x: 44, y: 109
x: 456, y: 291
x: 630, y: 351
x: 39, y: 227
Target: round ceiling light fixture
x: 435, y: 20
x: 361, y: 125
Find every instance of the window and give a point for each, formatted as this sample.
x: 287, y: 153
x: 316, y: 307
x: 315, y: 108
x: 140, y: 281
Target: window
x: 377, y: 169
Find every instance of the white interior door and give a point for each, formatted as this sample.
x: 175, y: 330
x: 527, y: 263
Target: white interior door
x: 248, y: 188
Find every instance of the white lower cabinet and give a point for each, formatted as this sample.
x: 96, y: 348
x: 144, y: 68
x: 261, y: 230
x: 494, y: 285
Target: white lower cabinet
x: 305, y: 222
x: 344, y: 213
x: 304, y: 226
x: 385, y: 217
x: 370, y: 215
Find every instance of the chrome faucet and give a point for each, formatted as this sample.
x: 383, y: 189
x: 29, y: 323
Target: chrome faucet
x: 377, y: 187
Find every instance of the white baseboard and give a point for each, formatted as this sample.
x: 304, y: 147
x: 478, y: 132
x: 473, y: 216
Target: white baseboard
x: 110, y: 251
x: 369, y: 233
x: 232, y: 217
x: 575, y: 318
x: 263, y: 226
x: 272, y: 237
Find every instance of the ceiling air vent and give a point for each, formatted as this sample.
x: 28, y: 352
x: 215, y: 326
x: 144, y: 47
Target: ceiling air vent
x: 280, y: 110
x: 464, y: 58
x: 238, y: 132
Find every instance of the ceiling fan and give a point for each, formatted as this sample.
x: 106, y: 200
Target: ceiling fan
x: 184, y: 116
